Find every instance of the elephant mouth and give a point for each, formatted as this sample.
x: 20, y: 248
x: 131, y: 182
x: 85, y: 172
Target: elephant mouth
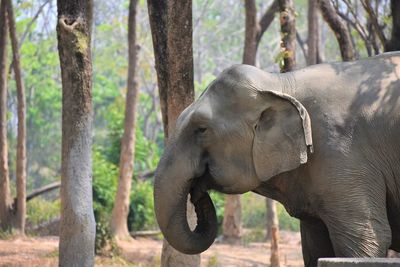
x: 202, y: 184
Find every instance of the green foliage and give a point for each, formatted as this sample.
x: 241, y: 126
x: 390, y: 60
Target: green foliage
x: 213, y: 261
x: 39, y: 210
x: 254, y: 214
x: 286, y: 222
x: 105, y: 176
x: 141, y: 209
x: 6, y: 234
x: 104, y: 242
x: 253, y: 235
x: 200, y: 87
x: 219, y: 202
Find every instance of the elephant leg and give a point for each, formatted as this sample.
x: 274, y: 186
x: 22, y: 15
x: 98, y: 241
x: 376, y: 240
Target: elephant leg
x: 315, y: 242
x: 360, y: 229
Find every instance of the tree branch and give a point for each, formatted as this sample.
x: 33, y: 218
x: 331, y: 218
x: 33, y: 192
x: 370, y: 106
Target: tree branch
x: 42, y: 190
x: 303, y: 45
x: 339, y: 28
x: 374, y: 21
x: 267, y: 19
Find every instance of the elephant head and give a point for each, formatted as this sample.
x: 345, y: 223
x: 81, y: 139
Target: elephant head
x: 240, y: 132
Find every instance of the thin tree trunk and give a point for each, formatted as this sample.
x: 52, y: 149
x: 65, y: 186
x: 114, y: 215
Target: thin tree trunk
x: 5, y: 197
x: 171, y: 28
x: 251, y: 28
x: 272, y: 217
x: 232, y: 223
x: 120, y: 211
x: 254, y: 30
x: 312, y: 41
x: 77, y: 225
x: 394, y: 43
x: 288, y: 34
x: 288, y: 47
x: 20, y: 207
x: 339, y: 28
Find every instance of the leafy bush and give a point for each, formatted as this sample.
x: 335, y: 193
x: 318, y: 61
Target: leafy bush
x: 254, y: 214
x: 141, y: 209
x: 219, y: 202
x: 105, y: 176
x: 104, y: 243
x: 39, y: 210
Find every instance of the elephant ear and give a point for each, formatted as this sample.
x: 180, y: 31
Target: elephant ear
x: 282, y: 135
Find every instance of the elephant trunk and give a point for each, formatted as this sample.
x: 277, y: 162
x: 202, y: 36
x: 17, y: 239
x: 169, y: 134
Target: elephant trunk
x: 171, y: 189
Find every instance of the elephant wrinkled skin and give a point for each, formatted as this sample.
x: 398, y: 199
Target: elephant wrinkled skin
x: 324, y: 141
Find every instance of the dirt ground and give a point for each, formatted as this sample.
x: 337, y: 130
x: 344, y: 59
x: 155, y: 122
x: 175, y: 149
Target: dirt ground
x: 145, y: 252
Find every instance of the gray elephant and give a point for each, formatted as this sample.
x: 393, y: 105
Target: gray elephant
x: 324, y: 141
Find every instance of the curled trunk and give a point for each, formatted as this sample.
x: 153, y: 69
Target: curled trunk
x: 172, y: 186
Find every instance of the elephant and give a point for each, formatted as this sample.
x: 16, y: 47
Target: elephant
x: 323, y: 140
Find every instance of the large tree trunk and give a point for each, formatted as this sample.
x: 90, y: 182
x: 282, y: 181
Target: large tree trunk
x: 5, y: 198
x: 77, y: 226
x: 313, y: 33
x: 20, y: 206
x: 120, y: 211
x: 339, y: 28
x: 171, y: 28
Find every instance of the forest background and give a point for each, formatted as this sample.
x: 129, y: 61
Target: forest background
x: 218, y: 42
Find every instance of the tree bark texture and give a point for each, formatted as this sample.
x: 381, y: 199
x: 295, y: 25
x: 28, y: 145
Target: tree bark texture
x: 272, y: 217
x: 275, y: 262
x: 232, y: 223
x: 254, y: 29
x: 5, y: 197
x: 171, y: 28
x: 288, y: 34
x: 77, y: 226
x: 20, y: 207
x: 251, y: 28
x: 120, y: 211
x: 339, y: 28
x: 313, y: 33
x: 394, y: 43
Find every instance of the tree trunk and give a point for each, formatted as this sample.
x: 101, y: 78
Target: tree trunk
x: 254, y: 29
x: 253, y: 32
x: 120, y: 211
x: 394, y: 43
x: 232, y: 224
x: 171, y: 28
x: 272, y: 217
x: 20, y: 206
x: 339, y: 28
x: 312, y: 41
x: 5, y: 197
x: 288, y: 34
x: 77, y: 226
x: 251, y: 28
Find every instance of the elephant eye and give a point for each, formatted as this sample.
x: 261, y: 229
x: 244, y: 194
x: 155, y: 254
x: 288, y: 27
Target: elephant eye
x: 201, y: 130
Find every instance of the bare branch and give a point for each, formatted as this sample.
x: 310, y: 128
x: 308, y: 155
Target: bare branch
x: 339, y: 28
x: 42, y: 190
x: 267, y: 19
x: 303, y: 45
x: 374, y: 21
